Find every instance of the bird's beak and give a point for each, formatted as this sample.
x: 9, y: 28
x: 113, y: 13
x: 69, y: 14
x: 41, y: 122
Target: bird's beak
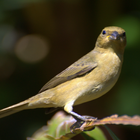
x: 114, y: 36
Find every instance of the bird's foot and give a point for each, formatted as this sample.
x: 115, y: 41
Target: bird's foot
x: 80, y: 121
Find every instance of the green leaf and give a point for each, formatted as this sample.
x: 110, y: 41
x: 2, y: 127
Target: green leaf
x: 111, y: 133
x: 95, y: 134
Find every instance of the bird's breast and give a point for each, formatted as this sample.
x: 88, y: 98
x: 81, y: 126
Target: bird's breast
x: 102, y: 78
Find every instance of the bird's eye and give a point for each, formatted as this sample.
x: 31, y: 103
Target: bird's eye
x: 124, y: 34
x: 104, y: 32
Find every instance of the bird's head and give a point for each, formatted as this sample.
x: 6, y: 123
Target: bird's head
x: 112, y: 38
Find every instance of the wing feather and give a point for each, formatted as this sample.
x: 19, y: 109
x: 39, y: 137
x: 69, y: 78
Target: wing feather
x: 79, y: 68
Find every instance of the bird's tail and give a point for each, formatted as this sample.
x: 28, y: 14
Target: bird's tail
x: 13, y: 109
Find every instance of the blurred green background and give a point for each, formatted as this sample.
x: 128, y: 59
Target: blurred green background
x: 40, y: 38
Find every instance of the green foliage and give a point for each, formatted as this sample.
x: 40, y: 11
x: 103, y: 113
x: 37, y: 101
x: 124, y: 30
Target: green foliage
x: 111, y: 133
x: 58, y: 128
x: 95, y: 134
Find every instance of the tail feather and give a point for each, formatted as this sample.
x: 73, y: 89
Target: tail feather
x: 13, y: 109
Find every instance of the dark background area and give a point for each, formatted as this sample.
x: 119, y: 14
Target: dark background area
x: 40, y: 38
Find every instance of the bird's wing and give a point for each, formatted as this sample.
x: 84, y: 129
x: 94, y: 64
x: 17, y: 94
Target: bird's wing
x: 77, y: 69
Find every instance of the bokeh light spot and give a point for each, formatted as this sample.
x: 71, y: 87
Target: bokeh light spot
x: 31, y: 48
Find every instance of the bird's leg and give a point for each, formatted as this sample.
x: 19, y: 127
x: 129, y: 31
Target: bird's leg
x: 77, y: 116
x: 68, y: 108
x: 80, y: 119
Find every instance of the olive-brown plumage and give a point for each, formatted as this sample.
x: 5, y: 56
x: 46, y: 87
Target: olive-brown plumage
x: 87, y: 79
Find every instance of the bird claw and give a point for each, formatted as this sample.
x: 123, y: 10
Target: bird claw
x: 80, y: 122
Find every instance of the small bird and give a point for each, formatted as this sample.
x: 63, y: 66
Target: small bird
x: 87, y: 79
